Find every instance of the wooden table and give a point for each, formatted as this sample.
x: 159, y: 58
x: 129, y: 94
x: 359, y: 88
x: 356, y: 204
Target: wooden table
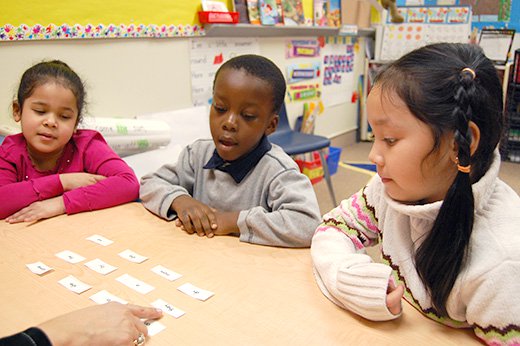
x: 263, y: 295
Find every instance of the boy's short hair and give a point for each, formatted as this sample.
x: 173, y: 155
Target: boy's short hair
x: 262, y: 68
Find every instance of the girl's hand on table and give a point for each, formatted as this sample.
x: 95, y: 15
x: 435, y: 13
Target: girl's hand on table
x: 38, y: 210
x: 393, y: 297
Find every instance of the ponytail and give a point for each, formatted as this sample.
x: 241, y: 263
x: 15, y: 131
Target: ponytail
x: 440, y: 90
x: 441, y: 256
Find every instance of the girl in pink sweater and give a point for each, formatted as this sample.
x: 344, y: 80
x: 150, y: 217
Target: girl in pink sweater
x: 52, y: 168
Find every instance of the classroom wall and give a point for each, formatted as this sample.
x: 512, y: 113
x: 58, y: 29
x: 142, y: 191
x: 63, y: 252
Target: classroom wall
x: 130, y: 77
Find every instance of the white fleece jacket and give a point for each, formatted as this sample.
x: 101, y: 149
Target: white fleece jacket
x: 486, y: 294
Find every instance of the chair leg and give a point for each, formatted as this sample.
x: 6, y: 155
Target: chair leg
x: 327, y: 177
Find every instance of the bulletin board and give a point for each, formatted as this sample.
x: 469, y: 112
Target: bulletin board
x: 423, y: 25
x: 494, y: 13
x: 56, y: 19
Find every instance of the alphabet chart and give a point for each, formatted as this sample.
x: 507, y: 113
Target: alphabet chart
x: 422, y: 26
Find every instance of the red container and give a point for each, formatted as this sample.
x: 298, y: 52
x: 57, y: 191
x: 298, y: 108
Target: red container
x: 210, y: 17
x: 312, y: 169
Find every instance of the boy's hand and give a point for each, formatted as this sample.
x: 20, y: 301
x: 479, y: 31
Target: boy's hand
x: 393, y: 297
x: 39, y: 210
x: 71, y: 181
x: 194, y: 216
x: 226, y: 223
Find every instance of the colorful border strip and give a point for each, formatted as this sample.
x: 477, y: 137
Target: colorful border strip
x: 9, y: 32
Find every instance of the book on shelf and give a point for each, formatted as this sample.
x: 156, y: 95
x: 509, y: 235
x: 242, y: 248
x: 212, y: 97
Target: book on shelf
x: 334, y: 13
x: 320, y: 11
x: 253, y: 12
x: 213, y: 6
x: 240, y: 6
x: 293, y: 12
x: 270, y: 12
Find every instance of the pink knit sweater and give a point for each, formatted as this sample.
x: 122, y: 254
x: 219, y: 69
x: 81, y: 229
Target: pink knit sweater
x: 22, y: 184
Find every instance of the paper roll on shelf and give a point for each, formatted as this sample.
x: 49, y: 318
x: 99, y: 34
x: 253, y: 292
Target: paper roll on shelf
x: 126, y: 126
x: 128, y: 145
x: 130, y: 136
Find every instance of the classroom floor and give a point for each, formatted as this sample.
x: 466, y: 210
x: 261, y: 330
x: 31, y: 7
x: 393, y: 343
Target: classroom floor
x: 347, y: 180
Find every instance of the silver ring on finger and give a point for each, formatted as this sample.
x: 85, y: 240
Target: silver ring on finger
x: 140, y: 340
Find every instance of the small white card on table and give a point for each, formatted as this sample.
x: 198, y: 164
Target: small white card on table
x: 195, y: 292
x: 104, y: 296
x: 39, y: 268
x: 166, y: 273
x: 135, y: 284
x: 70, y: 256
x: 132, y: 256
x: 75, y: 285
x: 99, y: 239
x: 168, y: 308
x: 99, y: 266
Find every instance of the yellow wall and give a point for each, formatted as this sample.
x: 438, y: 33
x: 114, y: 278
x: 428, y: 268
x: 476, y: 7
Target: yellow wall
x: 83, y: 12
x: 31, y: 12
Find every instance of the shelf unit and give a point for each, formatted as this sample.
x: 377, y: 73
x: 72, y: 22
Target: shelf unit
x: 250, y: 30
x: 510, y: 145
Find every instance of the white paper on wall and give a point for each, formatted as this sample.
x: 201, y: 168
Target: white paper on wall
x: 207, y: 55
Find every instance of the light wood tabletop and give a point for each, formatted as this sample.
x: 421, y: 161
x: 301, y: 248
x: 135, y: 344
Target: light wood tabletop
x: 263, y: 295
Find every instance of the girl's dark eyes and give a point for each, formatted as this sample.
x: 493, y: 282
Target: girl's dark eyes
x: 390, y: 141
x: 39, y: 111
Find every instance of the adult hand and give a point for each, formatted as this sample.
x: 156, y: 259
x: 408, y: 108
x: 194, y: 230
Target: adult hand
x: 194, y: 216
x: 71, y: 181
x: 393, y: 297
x: 110, y: 324
x: 38, y: 210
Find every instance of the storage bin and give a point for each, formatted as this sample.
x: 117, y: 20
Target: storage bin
x: 218, y: 17
x: 312, y: 169
x: 333, y: 159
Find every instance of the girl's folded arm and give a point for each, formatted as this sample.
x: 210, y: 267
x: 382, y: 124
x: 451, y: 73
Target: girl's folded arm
x: 18, y: 195
x: 120, y: 186
x: 343, y: 270
x: 350, y: 278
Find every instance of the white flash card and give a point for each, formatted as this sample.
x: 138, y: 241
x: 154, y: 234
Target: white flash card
x: 195, y: 292
x: 132, y: 256
x: 39, y: 268
x: 135, y: 284
x: 70, y: 256
x: 73, y: 284
x: 168, y: 308
x: 166, y: 273
x: 101, y: 267
x: 103, y: 297
x: 154, y: 327
x: 99, y: 239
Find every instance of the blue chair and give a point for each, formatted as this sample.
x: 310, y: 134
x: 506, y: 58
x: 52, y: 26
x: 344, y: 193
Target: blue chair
x: 294, y: 143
